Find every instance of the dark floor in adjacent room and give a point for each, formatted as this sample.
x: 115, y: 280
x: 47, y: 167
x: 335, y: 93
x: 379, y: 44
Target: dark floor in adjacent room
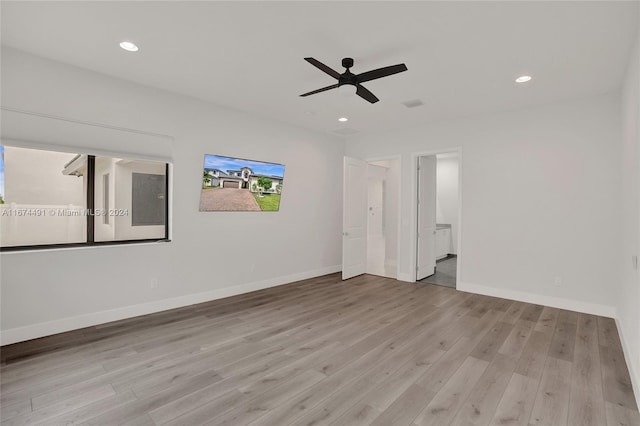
x: 445, y: 272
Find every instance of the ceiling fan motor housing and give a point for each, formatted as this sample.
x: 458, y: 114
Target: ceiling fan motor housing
x: 347, y: 77
x: 347, y: 62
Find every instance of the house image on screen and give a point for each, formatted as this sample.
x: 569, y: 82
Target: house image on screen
x: 244, y: 178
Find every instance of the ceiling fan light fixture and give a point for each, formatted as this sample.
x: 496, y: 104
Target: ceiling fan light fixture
x: 347, y: 90
x: 343, y: 119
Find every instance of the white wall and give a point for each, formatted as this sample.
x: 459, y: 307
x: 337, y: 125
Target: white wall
x: 392, y: 201
x: 628, y: 296
x: 375, y: 200
x: 540, y: 199
x: 35, y: 177
x: 74, y: 288
x: 34, y: 180
x: 447, y: 195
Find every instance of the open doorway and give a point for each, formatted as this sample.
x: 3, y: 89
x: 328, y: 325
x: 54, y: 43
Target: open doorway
x: 371, y: 217
x: 438, y: 219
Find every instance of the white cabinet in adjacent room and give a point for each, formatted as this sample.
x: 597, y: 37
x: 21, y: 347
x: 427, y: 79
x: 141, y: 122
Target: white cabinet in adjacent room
x: 443, y: 242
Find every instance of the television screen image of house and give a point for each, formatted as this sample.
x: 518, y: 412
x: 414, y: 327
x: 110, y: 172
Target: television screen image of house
x: 236, y: 184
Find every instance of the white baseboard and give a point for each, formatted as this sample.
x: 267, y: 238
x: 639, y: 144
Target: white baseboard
x: 539, y: 299
x: 632, y: 362
x: 406, y: 277
x: 33, y: 331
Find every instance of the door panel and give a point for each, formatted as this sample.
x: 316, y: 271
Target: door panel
x: 354, y: 218
x: 426, y: 217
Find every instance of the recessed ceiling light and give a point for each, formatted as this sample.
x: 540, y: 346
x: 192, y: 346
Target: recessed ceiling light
x: 413, y: 103
x: 127, y: 45
x: 523, y: 79
x: 343, y: 119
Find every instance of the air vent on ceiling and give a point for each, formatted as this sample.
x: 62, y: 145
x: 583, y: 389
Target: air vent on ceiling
x: 345, y: 131
x: 413, y: 103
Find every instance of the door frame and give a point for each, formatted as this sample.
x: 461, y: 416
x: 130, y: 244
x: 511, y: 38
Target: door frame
x: 399, y: 207
x: 413, y: 218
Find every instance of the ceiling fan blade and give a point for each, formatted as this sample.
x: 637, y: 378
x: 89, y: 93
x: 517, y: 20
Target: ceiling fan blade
x: 333, y: 86
x: 380, y: 72
x: 366, y: 94
x: 323, y: 67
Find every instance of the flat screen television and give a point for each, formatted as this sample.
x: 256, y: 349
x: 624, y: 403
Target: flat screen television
x: 237, y: 184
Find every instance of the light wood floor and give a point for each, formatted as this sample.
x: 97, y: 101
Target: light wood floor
x: 366, y: 351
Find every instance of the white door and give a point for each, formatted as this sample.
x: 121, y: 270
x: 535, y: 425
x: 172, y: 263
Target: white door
x: 354, y: 218
x: 426, y: 217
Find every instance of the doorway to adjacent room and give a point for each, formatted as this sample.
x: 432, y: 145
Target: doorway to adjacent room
x: 438, y: 218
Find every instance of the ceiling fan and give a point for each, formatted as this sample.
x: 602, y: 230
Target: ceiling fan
x: 350, y: 81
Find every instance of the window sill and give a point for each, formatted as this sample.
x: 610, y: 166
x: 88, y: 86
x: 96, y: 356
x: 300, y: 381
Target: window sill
x: 79, y: 246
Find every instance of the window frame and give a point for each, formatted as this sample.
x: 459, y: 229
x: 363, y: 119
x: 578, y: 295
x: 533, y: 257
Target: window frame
x: 90, y: 229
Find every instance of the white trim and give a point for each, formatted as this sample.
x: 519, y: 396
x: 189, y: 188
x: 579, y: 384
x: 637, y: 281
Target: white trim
x: 33, y: 331
x: 28, y: 129
x: 409, y: 278
x: 628, y: 356
x: 413, y: 225
x: 539, y: 299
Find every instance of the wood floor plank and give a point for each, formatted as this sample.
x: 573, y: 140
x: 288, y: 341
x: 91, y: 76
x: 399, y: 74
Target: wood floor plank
x: 200, y: 414
x: 569, y: 317
x: 143, y: 405
x: 513, y: 314
x: 492, y: 341
x: 378, y: 398
x: 369, y: 350
x: 552, y: 400
x: 449, y: 363
x: 350, y: 394
x: 251, y: 381
x: 563, y: 341
x: 46, y: 386
x: 358, y: 415
x: 586, y: 404
x: 256, y: 407
x: 534, y: 355
x: 616, y: 383
x: 406, y: 407
x: 51, y: 411
x: 383, y: 395
x: 83, y: 414
x: 515, y: 342
x: 621, y: 416
x: 531, y: 313
x: 480, y: 406
x: 444, y: 406
x: 14, y: 409
x: 547, y: 321
x: 516, y: 403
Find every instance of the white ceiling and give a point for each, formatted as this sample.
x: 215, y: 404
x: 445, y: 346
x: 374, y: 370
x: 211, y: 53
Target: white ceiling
x: 462, y: 56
